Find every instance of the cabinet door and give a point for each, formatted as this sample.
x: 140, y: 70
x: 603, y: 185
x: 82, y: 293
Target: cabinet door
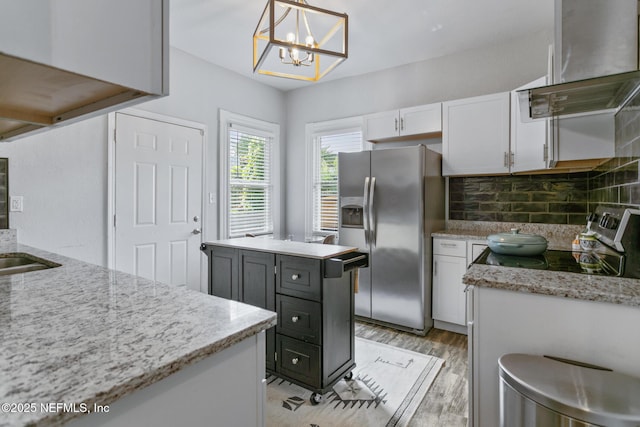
x: 223, y: 273
x: 475, y: 135
x: 257, y: 281
x: 257, y: 287
x: 117, y: 41
x: 529, y: 139
x: 421, y: 119
x: 381, y: 125
x: 448, y: 289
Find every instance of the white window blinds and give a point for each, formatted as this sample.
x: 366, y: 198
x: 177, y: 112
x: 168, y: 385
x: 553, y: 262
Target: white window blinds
x: 325, y: 177
x: 250, y: 189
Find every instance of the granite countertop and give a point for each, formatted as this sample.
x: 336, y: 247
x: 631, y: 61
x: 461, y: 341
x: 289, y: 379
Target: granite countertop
x: 616, y: 290
x: 286, y: 247
x: 559, y: 236
x: 81, y: 333
x: 587, y: 287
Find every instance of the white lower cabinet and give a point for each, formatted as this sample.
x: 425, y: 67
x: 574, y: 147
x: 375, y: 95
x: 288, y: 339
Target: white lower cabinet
x: 449, y: 265
x: 451, y: 257
x: 503, y: 321
x: 448, y: 289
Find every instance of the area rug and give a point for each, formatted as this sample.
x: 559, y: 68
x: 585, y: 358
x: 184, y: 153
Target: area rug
x: 388, y: 385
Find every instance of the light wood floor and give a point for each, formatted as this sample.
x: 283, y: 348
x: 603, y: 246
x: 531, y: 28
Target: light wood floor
x: 445, y: 404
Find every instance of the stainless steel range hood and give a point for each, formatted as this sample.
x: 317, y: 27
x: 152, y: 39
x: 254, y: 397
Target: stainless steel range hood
x: 595, y: 64
x: 598, y: 94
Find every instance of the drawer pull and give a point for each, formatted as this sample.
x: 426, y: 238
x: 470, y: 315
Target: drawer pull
x: 294, y: 319
x: 295, y: 276
x: 294, y: 360
x: 449, y: 245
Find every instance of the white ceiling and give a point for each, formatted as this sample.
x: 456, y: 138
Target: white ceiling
x: 382, y: 33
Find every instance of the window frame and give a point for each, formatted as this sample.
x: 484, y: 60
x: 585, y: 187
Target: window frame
x: 257, y: 127
x: 314, y: 131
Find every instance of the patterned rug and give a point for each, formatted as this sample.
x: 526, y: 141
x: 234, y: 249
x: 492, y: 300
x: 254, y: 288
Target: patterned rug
x: 388, y: 385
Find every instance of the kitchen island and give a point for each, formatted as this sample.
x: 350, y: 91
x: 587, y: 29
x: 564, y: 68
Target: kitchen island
x: 310, y: 286
x: 81, y: 338
x: 588, y: 318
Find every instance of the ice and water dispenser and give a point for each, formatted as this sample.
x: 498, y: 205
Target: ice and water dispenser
x: 351, y: 212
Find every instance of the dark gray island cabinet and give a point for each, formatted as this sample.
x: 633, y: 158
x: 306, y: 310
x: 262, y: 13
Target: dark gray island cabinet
x: 310, y: 286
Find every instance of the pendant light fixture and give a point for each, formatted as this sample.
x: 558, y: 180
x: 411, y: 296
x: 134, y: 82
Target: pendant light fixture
x: 298, y: 41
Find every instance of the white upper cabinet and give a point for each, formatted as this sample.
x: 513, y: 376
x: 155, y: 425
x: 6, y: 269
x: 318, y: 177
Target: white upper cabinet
x: 116, y: 41
x: 475, y: 135
x: 66, y: 60
x: 529, y: 139
x: 406, y: 123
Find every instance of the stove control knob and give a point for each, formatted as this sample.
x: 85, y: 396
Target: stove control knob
x: 608, y: 221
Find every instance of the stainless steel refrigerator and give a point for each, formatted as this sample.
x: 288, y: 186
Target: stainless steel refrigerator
x: 391, y: 200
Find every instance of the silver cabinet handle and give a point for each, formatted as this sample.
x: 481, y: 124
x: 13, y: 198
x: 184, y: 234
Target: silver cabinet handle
x: 402, y: 124
x: 294, y: 360
x: 196, y: 231
x: 449, y: 245
x: 396, y: 124
x: 295, y: 276
x: 294, y: 319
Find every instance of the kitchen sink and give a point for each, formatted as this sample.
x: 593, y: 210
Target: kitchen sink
x: 20, y: 262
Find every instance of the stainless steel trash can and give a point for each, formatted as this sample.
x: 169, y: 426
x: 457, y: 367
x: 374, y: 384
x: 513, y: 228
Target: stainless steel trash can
x: 539, y: 391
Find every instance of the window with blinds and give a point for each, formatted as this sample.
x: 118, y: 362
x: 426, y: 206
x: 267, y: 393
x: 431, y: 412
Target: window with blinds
x: 325, y: 176
x: 250, y: 189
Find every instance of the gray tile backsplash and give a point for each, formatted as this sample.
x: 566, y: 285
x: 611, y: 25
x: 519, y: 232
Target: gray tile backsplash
x: 617, y: 182
x: 546, y: 199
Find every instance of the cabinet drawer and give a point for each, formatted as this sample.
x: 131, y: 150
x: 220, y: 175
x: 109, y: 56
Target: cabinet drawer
x: 299, y: 360
x: 298, y: 318
x: 450, y: 247
x: 299, y: 277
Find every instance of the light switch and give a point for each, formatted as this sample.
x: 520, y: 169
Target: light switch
x: 15, y: 204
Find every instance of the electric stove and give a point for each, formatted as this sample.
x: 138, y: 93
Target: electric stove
x: 617, y: 252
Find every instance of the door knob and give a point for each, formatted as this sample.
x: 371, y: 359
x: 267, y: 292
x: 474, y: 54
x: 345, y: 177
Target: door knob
x: 196, y: 231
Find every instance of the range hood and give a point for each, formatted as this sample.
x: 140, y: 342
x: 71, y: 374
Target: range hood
x: 595, y: 95
x: 595, y: 60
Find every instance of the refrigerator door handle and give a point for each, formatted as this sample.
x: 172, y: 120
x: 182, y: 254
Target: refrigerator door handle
x: 366, y: 211
x: 372, y: 219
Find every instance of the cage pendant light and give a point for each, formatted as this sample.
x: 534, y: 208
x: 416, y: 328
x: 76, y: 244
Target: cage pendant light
x: 298, y: 41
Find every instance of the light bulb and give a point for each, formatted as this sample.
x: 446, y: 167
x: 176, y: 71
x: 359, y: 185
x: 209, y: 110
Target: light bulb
x: 309, y: 41
x: 291, y: 37
x: 295, y: 54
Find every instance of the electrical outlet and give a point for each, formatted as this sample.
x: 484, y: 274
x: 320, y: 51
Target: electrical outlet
x: 15, y: 204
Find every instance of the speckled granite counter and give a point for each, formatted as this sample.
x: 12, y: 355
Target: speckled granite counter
x: 586, y: 287
x: 559, y: 236
x: 568, y: 285
x: 81, y: 333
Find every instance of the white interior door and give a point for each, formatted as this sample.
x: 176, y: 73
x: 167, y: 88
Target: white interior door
x: 158, y: 200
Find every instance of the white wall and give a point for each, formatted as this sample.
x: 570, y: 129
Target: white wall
x: 478, y: 72
x: 62, y: 173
